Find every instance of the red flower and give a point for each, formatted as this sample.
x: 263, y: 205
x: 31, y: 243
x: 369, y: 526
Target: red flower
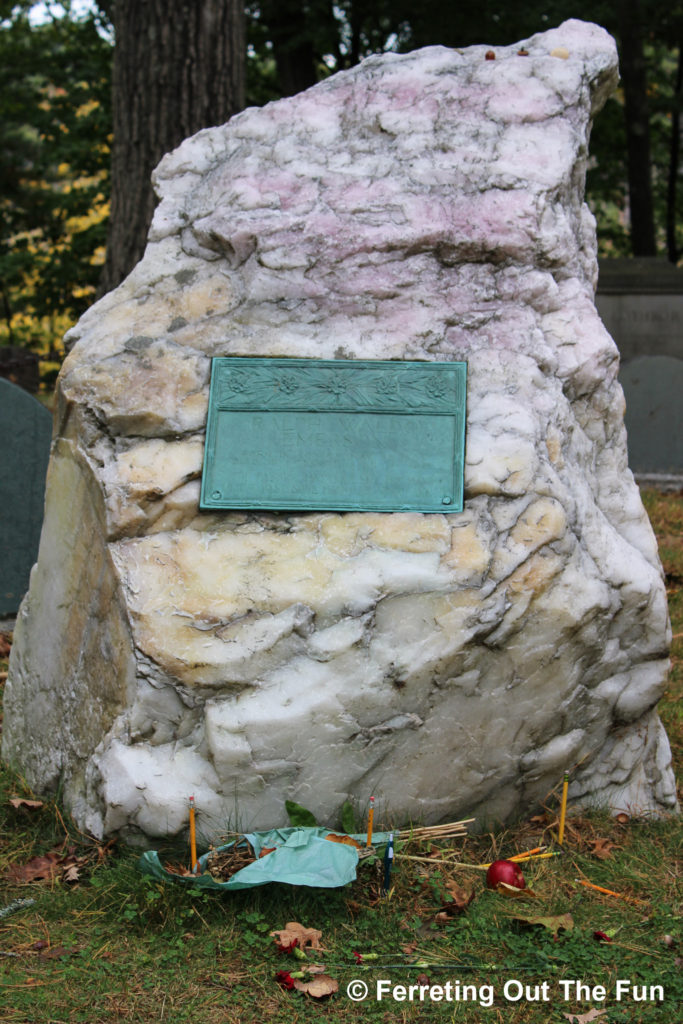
x: 601, y: 937
x: 285, y: 979
x: 358, y: 956
x: 287, y: 947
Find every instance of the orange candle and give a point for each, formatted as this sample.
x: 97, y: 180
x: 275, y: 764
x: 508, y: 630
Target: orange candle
x: 193, y: 838
x: 371, y: 815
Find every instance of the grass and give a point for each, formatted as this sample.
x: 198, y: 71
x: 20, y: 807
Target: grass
x: 116, y: 946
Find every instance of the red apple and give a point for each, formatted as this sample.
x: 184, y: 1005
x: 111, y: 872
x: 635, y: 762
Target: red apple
x: 505, y: 871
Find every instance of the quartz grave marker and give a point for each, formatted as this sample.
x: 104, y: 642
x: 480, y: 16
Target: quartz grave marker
x: 424, y: 207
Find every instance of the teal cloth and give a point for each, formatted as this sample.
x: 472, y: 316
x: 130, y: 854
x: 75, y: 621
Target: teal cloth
x: 302, y: 856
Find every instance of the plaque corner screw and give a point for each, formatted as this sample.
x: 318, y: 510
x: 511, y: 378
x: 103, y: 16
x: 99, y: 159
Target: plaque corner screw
x: 447, y: 500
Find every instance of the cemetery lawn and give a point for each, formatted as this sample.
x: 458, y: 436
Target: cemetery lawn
x: 111, y: 945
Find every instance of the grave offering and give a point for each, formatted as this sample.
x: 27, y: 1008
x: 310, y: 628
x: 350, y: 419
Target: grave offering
x: 422, y: 207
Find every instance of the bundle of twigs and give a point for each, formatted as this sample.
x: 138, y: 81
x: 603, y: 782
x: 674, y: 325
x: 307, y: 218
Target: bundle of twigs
x: 433, y: 833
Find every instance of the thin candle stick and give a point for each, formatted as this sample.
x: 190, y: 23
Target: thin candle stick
x: 193, y: 838
x: 563, y: 808
x: 527, y: 853
x: 371, y: 815
x: 533, y: 856
x: 609, y: 892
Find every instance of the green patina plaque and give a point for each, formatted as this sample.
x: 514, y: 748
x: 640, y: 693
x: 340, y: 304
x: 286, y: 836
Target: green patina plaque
x: 346, y: 434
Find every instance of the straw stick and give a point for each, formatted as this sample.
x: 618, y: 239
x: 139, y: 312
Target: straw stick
x: 193, y: 838
x: 436, y: 860
x: 371, y: 815
x: 446, y: 831
x: 563, y: 808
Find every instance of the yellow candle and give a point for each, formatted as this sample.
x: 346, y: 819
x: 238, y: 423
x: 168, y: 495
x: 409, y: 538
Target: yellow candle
x: 563, y: 808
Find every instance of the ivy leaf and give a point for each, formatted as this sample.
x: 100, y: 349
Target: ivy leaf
x: 348, y: 818
x: 299, y: 816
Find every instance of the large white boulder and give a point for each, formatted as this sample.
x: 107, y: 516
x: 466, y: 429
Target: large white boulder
x: 422, y: 206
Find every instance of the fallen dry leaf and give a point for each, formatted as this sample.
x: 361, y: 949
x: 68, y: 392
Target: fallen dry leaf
x: 314, y: 968
x: 30, y: 805
x: 38, y: 869
x: 5, y: 644
x: 602, y: 848
x: 71, y: 873
x: 409, y: 948
x: 461, y: 899
x: 55, y: 953
x: 584, y: 1018
x: 319, y: 987
x: 177, y: 869
x: 347, y: 840
x: 50, y: 866
x: 511, y: 892
x: 295, y: 934
x: 553, y: 923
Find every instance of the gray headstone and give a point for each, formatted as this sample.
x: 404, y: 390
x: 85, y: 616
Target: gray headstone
x: 25, y: 432
x: 653, y: 388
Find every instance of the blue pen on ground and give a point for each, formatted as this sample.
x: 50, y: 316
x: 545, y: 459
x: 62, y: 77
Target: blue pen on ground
x: 388, y: 862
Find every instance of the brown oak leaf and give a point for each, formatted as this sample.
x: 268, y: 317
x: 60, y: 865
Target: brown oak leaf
x: 584, y: 1018
x: 30, y: 805
x: 602, y: 848
x: 296, y: 934
x: 38, y: 869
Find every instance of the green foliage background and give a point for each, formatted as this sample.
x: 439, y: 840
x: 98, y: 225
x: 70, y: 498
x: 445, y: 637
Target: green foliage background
x: 55, y: 123
x: 55, y: 116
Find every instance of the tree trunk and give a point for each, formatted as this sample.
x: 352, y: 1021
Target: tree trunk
x: 179, y: 66
x: 636, y: 112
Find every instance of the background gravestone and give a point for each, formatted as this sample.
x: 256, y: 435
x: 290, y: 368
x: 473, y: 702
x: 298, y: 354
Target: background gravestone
x: 641, y: 304
x: 25, y: 431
